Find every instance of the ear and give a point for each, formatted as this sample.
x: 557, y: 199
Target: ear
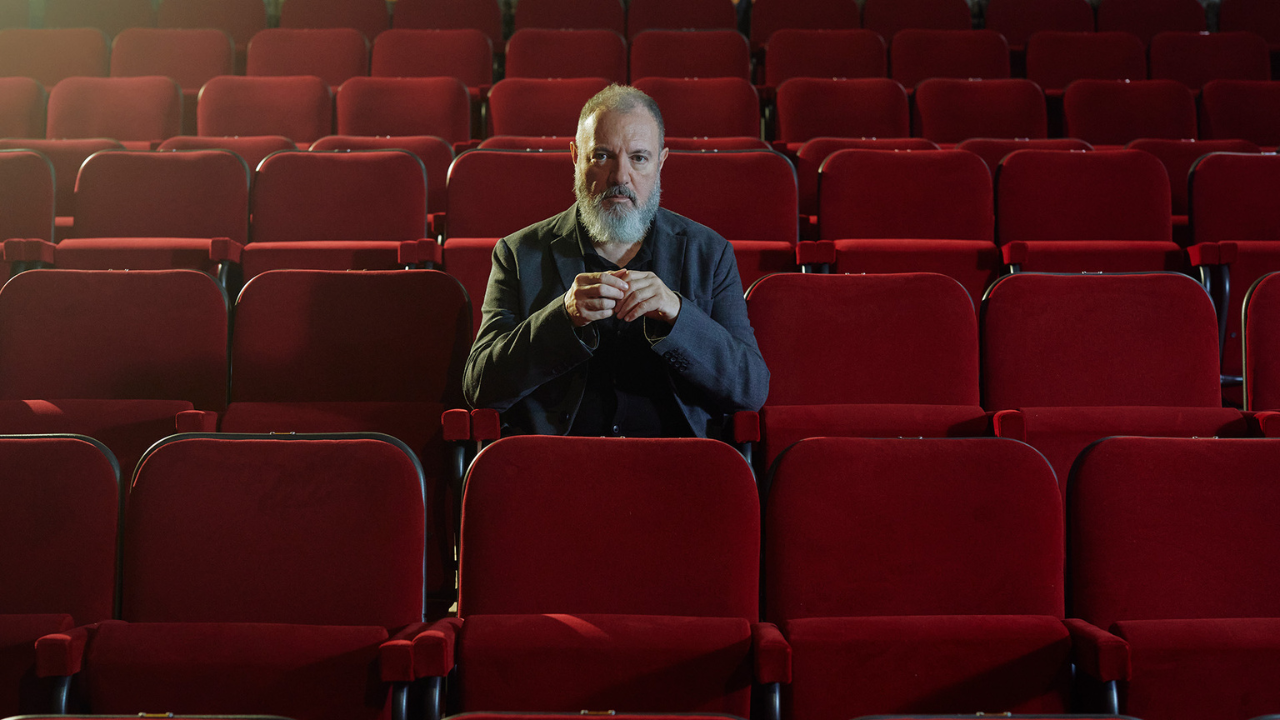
x: 573, y: 151
x: 662, y: 158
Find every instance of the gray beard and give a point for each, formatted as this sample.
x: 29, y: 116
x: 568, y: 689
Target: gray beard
x: 617, y: 225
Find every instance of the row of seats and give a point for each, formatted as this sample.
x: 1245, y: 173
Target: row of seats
x: 263, y: 574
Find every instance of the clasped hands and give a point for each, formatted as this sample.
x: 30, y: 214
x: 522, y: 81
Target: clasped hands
x: 626, y: 294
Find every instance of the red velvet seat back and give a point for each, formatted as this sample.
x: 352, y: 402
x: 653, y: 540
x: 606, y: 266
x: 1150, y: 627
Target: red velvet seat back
x: 866, y: 339
x: 26, y: 195
x: 954, y: 110
x: 333, y: 54
x: 1258, y: 16
x: 683, y: 53
x: 22, y: 108
x: 1098, y: 340
x: 465, y: 54
x: 437, y: 106
x: 741, y: 194
x: 604, y: 525
x: 769, y: 16
x: 250, y: 148
x: 1178, y: 156
x: 1244, y: 109
x: 103, y: 334
x: 798, y: 52
x: 572, y: 14
x: 993, y: 150
x: 1055, y: 59
x: 1262, y: 344
x: 191, y: 57
x: 683, y: 15
x: 546, y: 53
x: 1167, y: 528
x: 314, y: 335
x: 194, y: 193
x: 535, y: 187
x: 1106, y: 112
x: 811, y: 155
x: 540, y: 106
x: 137, y: 108
x: 482, y: 15
x: 1233, y: 198
x: 435, y: 153
x: 815, y: 107
x: 58, y: 521
x: 67, y: 156
x: 884, y: 194
x: 316, y: 530
x: 917, y: 55
x: 705, y: 107
x: 1196, y: 58
x: 345, y: 196
x: 1055, y: 195
x: 238, y: 18
x: 860, y: 527
x: 887, y: 17
x: 1018, y: 20
x: 1147, y: 18
x: 50, y: 55
x: 299, y: 107
x: 367, y: 16
x: 109, y: 16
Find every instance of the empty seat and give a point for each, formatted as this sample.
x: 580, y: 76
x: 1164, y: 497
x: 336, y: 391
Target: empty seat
x: 1018, y: 20
x: 465, y: 54
x: 437, y: 106
x: 1085, y: 212
x: 140, y: 111
x: 337, y: 211
x: 680, y: 15
x: 241, y: 19
x: 258, y: 621
x: 811, y: 154
x: 252, y: 148
x: 993, y: 150
x: 1147, y: 18
x: 888, y: 17
x: 532, y: 106
x: 892, y: 602
x: 59, y: 570
x: 333, y: 54
x: 26, y: 195
x: 865, y: 356
x: 1257, y: 16
x: 867, y: 107
x: 889, y: 211
x: 1069, y: 359
x: 435, y: 153
x: 1261, y: 378
x: 813, y: 53
x: 482, y: 15
x: 1196, y: 58
x: 67, y: 156
x: 572, y: 15
x: 705, y: 107
x: 22, y: 108
x: 370, y: 17
x: 1179, y: 155
x: 917, y: 55
x: 1055, y: 59
x: 1243, y: 109
x: 52, y: 55
x: 191, y: 57
x: 299, y: 108
x: 109, y: 16
x: 1107, y: 112
x: 690, y: 53
x: 545, y: 53
x: 770, y: 16
x: 1165, y: 537
x: 953, y: 110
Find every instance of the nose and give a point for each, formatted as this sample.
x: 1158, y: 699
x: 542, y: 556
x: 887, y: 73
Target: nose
x: 622, y: 172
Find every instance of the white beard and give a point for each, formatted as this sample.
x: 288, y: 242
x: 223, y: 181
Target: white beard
x: 617, y: 224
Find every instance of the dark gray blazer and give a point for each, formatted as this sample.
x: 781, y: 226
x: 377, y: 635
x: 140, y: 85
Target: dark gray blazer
x: 529, y: 363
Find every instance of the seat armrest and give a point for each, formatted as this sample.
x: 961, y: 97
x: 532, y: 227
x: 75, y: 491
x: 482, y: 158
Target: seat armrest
x: 771, y: 654
x: 395, y: 655
x: 815, y: 252
x: 419, y: 252
x: 225, y: 250
x: 1015, y: 253
x: 433, y: 648
x: 1268, y: 423
x: 1098, y: 653
x: 196, y: 421
x: 62, y: 654
x: 29, y: 250
x: 456, y: 425
x: 1212, y: 253
x: 1009, y: 424
x: 746, y: 426
x: 486, y: 424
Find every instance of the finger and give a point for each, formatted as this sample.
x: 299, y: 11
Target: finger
x: 626, y: 310
x: 641, y: 309
x: 602, y: 291
x: 613, y: 280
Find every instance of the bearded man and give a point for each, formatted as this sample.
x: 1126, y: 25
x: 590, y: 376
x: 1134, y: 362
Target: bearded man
x: 616, y: 317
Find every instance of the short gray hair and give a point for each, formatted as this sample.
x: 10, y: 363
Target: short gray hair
x: 623, y: 99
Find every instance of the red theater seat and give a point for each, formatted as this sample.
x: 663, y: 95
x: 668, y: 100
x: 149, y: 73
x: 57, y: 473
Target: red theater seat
x: 26, y: 195
x: 1261, y: 378
x: 370, y: 17
x: 1107, y: 112
x: 680, y: 15
x: 536, y: 106
x: 191, y: 57
x: 1147, y: 18
x: 1242, y: 109
x: 572, y: 15
x: 796, y: 52
x: 811, y: 154
x: 545, y: 53
x: 22, y: 107
x: 299, y: 108
x: 251, y: 148
x: 1196, y: 58
x: 333, y: 55
x: 67, y: 156
x: 436, y: 156
x: 770, y: 16
x: 888, y: 17
x: 482, y: 15
x: 867, y: 107
x: 1178, y: 156
x: 953, y: 110
x: 240, y: 19
x: 465, y: 54
x: 1259, y: 16
x: 1018, y: 20
x: 993, y: 150
x: 138, y: 112
x: 690, y: 53
x: 439, y: 106
x: 51, y: 55
x: 1056, y: 59
x: 109, y: 16
x: 916, y: 55
x: 705, y: 107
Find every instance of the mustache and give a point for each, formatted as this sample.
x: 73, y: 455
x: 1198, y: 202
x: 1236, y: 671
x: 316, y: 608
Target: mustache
x: 618, y: 191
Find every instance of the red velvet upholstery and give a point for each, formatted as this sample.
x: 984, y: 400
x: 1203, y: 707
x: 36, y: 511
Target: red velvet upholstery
x: 439, y: 106
x: 240, y: 19
x: 22, y: 108
x: 299, y: 108
x: 146, y: 109
x: 769, y: 16
x: 251, y: 148
x: 1261, y: 379
x: 26, y: 195
x: 536, y: 52
x: 888, y: 17
x: 811, y: 154
x: 954, y: 110
x: 1055, y: 59
x: 540, y: 143
x: 465, y: 54
x: 880, y: 206
x: 1099, y: 340
x: 1018, y: 20
x: 1106, y: 112
x: 814, y: 107
x: 714, y: 144
x: 336, y: 210
x: 20, y: 690
x: 114, y: 335
x: 1253, y: 15
x: 747, y: 196
x: 1092, y: 211
x: 1241, y: 109
x: 705, y: 107
x: 109, y: 16
x: 51, y: 55
x: 1146, y: 18
x: 993, y: 150
x: 367, y: 16
x: 482, y: 15
x: 1196, y: 58
x: 913, y: 339
x: 435, y: 153
x: 896, y: 597
x: 191, y: 57
x: 1178, y: 156
x: 573, y: 15
x: 798, y: 52
x: 67, y: 156
x: 689, y: 14
x: 681, y: 53
x: 333, y: 55
x: 917, y: 55
x: 537, y: 106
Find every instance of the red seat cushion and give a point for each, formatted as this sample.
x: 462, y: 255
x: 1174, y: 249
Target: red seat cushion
x: 137, y: 253
x: 20, y: 690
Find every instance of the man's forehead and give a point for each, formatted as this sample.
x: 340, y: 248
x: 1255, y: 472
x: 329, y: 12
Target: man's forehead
x: 636, y: 126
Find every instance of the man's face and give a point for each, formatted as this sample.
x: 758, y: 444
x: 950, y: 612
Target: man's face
x: 617, y: 161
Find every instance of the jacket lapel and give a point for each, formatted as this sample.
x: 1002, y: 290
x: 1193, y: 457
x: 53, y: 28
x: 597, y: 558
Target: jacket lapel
x: 565, y: 250
x: 668, y: 252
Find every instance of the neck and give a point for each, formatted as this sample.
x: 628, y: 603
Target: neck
x: 618, y: 253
